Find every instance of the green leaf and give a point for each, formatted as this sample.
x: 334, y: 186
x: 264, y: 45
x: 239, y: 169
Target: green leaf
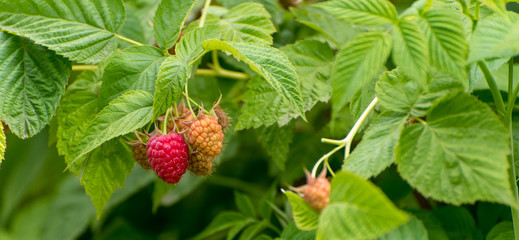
x: 70, y: 208
x: 2, y: 144
x: 221, y: 222
x: 270, y: 63
x: 457, y: 221
x: 412, y: 230
x: 244, y: 204
x: 306, y: 217
x: 292, y: 232
x: 246, y: 22
x: 498, y: 6
x: 173, y: 75
x: 32, y: 79
x: 495, y: 37
x: 252, y: 230
x: 501, y: 231
x: 125, y: 114
x: 134, y: 68
x: 357, y: 210
x: 339, y: 32
x: 446, y: 41
x: 349, y: 74
x: 190, y: 45
x: 264, y: 106
x: 276, y: 142
x: 368, y: 12
x: 376, y: 150
x: 105, y: 170
x: 462, y: 145
x: 409, y: 49
x: 74, y: 115
x: 396, y: 92
x: 169, y: 20
x: 434, y: 227
x: 81, y: 30
x: 236, y: 229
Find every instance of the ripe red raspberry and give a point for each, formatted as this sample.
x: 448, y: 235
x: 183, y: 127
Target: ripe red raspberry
x: 316, y: 192
x: 200, y: 164
x: 168, y: 156
x: 139, y: 154
x: 206, y: 136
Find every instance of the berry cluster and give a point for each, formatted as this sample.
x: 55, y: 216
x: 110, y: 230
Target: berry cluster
x: 169, y: 154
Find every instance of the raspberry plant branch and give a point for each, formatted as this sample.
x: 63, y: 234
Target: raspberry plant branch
x: 216, y: 72
x: 129, y: 40
x: 84, y: 67
x: 496, y: 94
x: 204, y: 12
x: 508, y: 123
x: 222, y: 73
x: 345, y: 142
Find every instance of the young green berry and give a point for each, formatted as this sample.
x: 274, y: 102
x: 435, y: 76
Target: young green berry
x: 139, y: 154
x: 200, y: 164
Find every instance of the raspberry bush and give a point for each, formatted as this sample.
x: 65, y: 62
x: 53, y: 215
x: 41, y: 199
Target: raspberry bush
x: 200, y: 117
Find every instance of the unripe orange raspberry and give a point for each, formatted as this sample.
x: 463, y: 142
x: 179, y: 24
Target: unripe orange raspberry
x: 206, y: 136
x: 316, y: 192
x: 200, y: 164
x: 139, y: 154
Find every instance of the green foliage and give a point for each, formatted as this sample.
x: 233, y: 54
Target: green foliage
x: 264, y: 106
x: 348, y: 74
x: 495, y: 36
x: 100, y: 180
x: 277, y: 61
x: 270, y: 63
x: 134, y: 68
x: 466, y: 148
x: 305, y: 217
x: 173, y: 75
x: 376, y: 151
x: 190, y: 46
x: 357, y: 210
x: 394, y: 84
x: 124, y: 114
x: 169, y: 20
x: 368, y: 13
x: 83, y: 31
x: 276, y: 142
x: 501, y: 231
x: 246, y: 22
x: 446, y: 41
x: 32, y: 81
x: 409, y: 49
x: 339, y: 32
x: 412, y: 230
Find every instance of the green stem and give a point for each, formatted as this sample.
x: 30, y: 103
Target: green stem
x: 222, y: 73
x: 129, y: 40
x: 496, y: 94
x: 186, y: 94
x: 508, y: 121
x: 345, y: 142
x: 204, y: 12
x: 84, y: 67
x: 512, y: 95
